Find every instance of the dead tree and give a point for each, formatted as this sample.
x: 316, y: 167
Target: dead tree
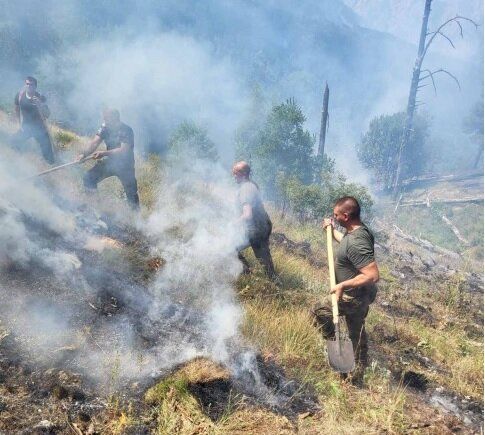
x: 419, y: 75
x: 324, y: 124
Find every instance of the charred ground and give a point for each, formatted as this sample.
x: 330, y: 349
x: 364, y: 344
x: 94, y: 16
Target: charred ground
x: 426, y: 332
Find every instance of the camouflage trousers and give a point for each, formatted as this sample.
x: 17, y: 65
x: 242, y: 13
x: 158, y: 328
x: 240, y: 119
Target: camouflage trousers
x: 354, y: 307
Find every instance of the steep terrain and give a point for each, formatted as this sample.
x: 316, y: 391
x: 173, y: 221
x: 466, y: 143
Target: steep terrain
x: 95, y: 349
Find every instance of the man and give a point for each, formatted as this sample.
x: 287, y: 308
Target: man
x: 118, y: 159
x: 356, y: 274
x: 31, y: 112
x: 254, y: 218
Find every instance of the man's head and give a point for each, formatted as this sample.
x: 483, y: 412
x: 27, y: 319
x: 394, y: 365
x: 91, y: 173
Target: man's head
x: 111, y: 117
x: 31, y: 83
x: 346, y: 211
x: 241, y: 171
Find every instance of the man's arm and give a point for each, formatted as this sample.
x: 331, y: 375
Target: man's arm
x: 367, y: 275
x: 247, y: 213
x: 93, y: 144
x: 337, y: 235
x: 122, y: 149
x: 127, y: 142
x: 42, y: 107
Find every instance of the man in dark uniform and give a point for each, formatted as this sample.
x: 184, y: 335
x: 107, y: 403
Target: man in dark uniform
x: 31, y: 112
x: 256, y: 221
x: 356, y: 274
x: 119, y: 159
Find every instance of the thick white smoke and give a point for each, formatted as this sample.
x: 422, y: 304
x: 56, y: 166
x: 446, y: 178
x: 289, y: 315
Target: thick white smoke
x: 55, y: 290
x: 195, y: 225
x: 156, y: 80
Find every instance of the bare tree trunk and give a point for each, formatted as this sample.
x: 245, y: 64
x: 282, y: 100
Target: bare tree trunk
x: 408, y: 124
x: 323, y: 125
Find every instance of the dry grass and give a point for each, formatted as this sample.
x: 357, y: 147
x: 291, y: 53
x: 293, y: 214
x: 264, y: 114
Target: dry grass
x: 277, y: 322
x: 179, y: 412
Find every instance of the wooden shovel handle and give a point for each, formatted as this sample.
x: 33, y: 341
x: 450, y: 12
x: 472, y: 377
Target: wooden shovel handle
x: 331, y: 273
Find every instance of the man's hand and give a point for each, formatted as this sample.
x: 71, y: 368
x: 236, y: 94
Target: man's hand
x: 99, y: 155
x: 326, y: 222
x: 80, y: 157
x: 338, y: 290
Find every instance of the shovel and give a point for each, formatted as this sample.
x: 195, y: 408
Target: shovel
x: 339, y: 350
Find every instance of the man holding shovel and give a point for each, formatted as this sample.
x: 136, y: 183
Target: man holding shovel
x: 356, y: 274
x: 117, y: 160
x: 32, y: 111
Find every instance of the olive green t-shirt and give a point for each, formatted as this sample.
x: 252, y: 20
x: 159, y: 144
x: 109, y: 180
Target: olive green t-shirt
x: 355, y: 251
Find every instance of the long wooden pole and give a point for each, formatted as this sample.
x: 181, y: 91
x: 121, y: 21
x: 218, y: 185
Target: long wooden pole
x: 331, y: 273
x: 65, y: 165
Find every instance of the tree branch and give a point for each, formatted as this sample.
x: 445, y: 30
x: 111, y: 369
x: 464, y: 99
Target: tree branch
x: 448, y: 38
x: 430, y: 75
x: 457, y: 20
x: 441, y: 70
x: 461, y: 28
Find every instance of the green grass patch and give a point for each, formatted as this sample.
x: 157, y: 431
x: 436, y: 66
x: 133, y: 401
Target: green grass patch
x: 64, y: 138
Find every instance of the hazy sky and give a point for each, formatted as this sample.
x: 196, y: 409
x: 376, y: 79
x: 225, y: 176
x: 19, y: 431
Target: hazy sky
x: 163, y: 62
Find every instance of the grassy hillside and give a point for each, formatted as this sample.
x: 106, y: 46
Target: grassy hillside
x: 421, y: 334
x: 426, y: 344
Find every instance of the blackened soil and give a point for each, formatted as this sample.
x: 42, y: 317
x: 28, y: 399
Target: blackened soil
x: 214, y: 396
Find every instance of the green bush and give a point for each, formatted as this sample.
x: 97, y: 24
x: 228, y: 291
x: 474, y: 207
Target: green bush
x: 191, y: 140
x: 379, y: 147
x: 308, y: 202
x: 281, y: 147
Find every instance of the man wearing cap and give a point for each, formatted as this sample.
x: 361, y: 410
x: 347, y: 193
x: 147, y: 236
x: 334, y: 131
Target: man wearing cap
x: 118, y: 160
x: 254, y: 218
x: 31, y: 111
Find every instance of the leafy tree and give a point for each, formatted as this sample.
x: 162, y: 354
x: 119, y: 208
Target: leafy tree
x: 282, y: 148
x: 473, y: 127
x: 191, y: 140
x: 281, y: 154
x: 310, y: 202
x: 379, y: 147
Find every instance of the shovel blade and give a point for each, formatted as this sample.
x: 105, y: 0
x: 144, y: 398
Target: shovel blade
x: 341, y: 355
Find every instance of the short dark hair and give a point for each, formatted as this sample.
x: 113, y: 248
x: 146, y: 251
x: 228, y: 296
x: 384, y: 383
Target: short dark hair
x: 31, y: 79
x: 350, y: 205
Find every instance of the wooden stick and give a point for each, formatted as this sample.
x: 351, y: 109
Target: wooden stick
x: 65, y: 165
x: 331, y: 273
